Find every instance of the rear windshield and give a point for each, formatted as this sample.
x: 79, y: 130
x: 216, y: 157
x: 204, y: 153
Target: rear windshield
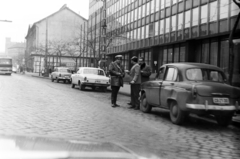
x: 198, y: 74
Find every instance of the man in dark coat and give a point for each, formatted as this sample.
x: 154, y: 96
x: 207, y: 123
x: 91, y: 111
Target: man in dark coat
x: 135, y: 81
x: 117, y: 74
x: 145, y: 70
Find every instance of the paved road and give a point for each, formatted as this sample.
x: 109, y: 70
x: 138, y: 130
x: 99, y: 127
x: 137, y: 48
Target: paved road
x: 36, y: 106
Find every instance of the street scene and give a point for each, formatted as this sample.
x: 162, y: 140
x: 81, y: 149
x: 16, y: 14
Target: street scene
x: 36, y: 106
x: 127, y: 79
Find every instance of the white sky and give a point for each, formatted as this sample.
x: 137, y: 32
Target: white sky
x: 25, y: 12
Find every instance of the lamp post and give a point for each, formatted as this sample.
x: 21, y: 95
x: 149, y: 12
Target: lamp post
x: 104, y: 31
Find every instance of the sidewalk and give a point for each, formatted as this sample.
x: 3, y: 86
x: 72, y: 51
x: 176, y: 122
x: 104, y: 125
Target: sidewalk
x: 33, y: 74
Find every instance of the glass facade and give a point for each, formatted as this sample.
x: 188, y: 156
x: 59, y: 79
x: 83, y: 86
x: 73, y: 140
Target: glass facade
x: 162, y: 27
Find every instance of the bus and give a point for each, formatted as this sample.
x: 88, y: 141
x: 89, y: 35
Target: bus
x: 6, y: 65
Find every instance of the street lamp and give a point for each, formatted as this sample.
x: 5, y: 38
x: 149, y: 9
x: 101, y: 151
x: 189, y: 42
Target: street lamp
x: 9, y: 21
x: 104, y: 30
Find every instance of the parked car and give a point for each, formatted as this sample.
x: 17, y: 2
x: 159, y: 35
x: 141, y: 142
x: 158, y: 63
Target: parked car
x: 14, y: 69
x: 90, y: 77
x: 61, y: 74
x: 185, y: 88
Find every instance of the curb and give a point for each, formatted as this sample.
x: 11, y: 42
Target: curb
x: 123, y: 93
x: 40, y: 77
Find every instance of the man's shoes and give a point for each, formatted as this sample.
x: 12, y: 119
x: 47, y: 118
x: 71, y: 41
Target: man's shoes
x: 136, y: 108
x: 130, y: 103
x: 116, y: 105
x: 113, y: 105
x: 132, y: 107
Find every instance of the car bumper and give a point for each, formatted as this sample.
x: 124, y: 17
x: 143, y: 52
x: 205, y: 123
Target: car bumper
x: 64, y: 78
x: 213, y: 107
x: 95, y: 84
x: 5, y: 72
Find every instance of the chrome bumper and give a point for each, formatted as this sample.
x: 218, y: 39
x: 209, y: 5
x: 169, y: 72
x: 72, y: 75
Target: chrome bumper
x: 213, y: 107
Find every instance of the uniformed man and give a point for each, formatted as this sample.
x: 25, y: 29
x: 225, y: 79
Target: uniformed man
x: 117, y: 74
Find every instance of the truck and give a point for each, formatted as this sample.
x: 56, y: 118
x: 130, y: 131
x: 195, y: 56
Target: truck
x: 6, y: 65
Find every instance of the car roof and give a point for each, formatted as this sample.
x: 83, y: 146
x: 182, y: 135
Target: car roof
x: 90, y: 68
x: 62, y: 67
x: 186, y: 65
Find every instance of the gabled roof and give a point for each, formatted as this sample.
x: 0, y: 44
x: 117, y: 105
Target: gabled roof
x: 61, y: 9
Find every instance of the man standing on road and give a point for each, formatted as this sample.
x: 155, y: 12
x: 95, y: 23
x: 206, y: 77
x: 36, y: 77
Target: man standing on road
x: 135, y: 81
x: 145, y: 71
x: 117, y: 73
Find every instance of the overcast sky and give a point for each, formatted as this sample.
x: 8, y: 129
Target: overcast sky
x: 25, y: 12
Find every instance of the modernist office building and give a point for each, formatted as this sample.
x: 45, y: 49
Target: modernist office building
x: 166, y: 31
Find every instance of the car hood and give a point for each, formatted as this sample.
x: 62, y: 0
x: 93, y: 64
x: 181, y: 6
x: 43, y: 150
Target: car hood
x: 217, y: 89
x: 90, y: 76
x: 23, y: 147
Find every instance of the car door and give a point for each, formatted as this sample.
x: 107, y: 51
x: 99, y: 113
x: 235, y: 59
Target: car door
x: 75, y: 77
x: 155, y: 87
x: 168, y: 84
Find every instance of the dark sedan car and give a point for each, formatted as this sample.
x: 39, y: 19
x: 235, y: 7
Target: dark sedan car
x: 185, y: 88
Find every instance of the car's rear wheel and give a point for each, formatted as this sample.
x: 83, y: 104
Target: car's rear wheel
x: 144, y: 106
x: 72, y: 85
x: 224, y: 120
x: 52, y: 79
x: 93, y: 88
x: 104, y: 89
x: 176, y: 114
x: 81, y: 87
x: 57, y: 80
x: 64, y: 81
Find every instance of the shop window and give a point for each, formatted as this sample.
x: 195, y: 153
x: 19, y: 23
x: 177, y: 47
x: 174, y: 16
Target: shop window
x: 164, y: 56
x: 182, y: 54
x: 176, y: 54
x: 205, y: 52
x: 214, y: 53
x: 170, y: 55
x: 224, y: 56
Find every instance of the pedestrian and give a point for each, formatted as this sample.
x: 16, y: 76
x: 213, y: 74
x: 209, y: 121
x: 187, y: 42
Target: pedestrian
x: 117, y: 74
x: 145, y: 72
x: 135, y: 82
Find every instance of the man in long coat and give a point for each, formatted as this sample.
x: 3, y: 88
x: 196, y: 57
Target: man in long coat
x: 116, y: 71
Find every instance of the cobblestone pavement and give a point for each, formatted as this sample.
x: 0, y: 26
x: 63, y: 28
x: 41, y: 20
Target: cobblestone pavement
x: 35, y: 106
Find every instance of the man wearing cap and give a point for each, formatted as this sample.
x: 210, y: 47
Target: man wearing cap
x: 117, y: 74
x: 135, y: 81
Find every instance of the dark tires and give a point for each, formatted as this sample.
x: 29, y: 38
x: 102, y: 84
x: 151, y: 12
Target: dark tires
x: 57, y: 80
x: 176, y: 114
x: 104, y: 89
x: 81, y: 87
x: 144, y: 106
x: 73, y: 85
x: 224, y: 120
x: 52, y: 79
x: 93, y: 88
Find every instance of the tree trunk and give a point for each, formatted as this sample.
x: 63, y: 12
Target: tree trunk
x: 231, y: 51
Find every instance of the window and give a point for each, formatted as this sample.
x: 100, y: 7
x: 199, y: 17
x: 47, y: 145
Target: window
x: 156, y: 28
x: 144, y: 10
x: 224, y: 57
x: 214, y: 53
x: 234, y: 9
x: 149, y: 30
x: 195, y: 16
x: 213, y: 11
x: 162, y: 27
x: 187, y: 19
x: 205, y: 52
x: 171, y: 74
x: 148, y: 5
x: 176, y: 54
x: 143, y: 32
x: 162, y: 4
x: 167, y: 25
x: 182, y: 54
x: 170, y: 55
x: 152, y: 6
x: 223, y: 8
x: 173, y: 28
x: 204, y: 13
x: 139, y: 12
x: 160, y: 74
x: 180, y: 21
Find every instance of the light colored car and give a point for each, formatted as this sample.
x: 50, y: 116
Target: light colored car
x: 14, y: 69
x: 185, y: 88
x: 61, y: 74
x: 90, y: 77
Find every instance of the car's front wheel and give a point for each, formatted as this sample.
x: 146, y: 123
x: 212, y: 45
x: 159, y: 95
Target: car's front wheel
x: 176, y: 114
x: 52, y: 79
x: 72, y: 85
x: 144, y: 106
x: 224, y: 120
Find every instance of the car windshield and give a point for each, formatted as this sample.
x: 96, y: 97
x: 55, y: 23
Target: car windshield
x: 198, y: 74
x: 93, y: 71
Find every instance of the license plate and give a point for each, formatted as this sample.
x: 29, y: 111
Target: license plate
x: 97, y: 81
x: 221, y: 100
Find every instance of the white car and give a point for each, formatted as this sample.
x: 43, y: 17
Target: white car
x: 61, y: 74
x: 90, y: 77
